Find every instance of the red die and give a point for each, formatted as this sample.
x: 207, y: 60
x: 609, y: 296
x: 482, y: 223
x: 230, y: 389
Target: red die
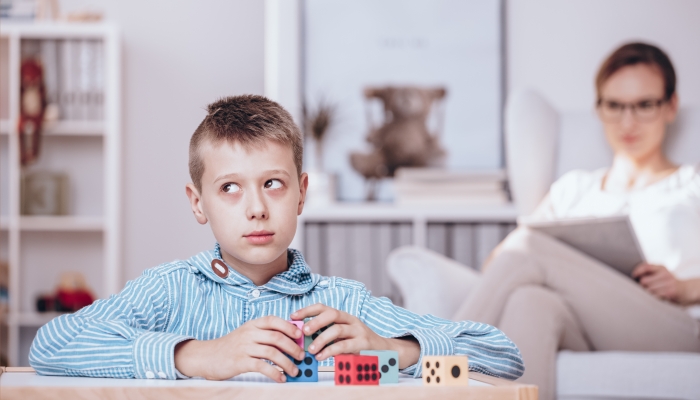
x: 351, y: 369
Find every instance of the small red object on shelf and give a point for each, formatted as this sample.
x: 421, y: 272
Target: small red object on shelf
x: 71, y: 295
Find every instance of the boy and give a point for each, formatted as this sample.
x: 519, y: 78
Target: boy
x: 225, y: 312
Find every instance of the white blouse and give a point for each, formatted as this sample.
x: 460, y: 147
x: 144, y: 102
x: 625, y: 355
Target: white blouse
x: 665, y: 215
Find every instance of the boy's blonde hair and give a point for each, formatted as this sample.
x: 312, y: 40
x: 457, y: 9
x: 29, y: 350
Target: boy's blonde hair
x: 249, y: 120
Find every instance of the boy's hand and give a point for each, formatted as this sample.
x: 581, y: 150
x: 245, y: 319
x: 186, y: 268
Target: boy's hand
x: 350, y: 335
x: 243, y: 350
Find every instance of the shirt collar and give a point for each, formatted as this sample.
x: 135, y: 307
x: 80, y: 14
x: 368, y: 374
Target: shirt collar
x: 297, y: 279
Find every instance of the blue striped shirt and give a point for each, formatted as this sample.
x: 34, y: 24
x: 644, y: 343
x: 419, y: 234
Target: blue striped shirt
x: 133, y: 334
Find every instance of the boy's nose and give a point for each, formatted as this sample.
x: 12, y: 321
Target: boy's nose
x: 257, y: 209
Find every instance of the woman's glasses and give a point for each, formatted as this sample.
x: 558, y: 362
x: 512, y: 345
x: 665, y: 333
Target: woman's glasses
x: 643, y: 110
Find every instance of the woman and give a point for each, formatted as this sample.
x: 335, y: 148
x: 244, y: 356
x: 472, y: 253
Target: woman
x: 546, y: 296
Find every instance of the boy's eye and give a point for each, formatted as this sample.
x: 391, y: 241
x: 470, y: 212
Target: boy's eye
x: 230, y: 188
x: 273, y: 184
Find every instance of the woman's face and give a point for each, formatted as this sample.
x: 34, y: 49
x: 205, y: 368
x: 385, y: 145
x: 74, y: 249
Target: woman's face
x: 637, y: 133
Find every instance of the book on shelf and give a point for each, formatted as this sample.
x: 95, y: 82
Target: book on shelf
x: 18, y: 10
x: 441, y: 187
x: 451, y: 175
x: 74, y: 77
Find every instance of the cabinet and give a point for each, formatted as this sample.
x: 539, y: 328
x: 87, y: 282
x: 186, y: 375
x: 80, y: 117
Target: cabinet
x: 85, y: 146
x: 354, y: 240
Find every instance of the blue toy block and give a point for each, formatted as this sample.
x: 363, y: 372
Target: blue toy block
x: 388, y: 365
x: 308, y: 369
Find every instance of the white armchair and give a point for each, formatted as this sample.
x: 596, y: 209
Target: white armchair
x: 431, y: 283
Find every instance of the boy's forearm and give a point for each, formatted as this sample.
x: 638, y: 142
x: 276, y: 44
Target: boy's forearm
x: 408, y: 349
x: 187, y: 357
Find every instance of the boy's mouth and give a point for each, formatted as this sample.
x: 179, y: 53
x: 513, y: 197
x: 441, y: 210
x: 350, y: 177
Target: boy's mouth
x: 259, y: 237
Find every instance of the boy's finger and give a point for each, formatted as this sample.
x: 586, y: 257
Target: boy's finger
x: 327, y: 317
x: 273, y: 323
x: 334, y: 333
x: 277, y: 357
x: 269, y: 371
x: 281, y: 341
x: 309, y: 311
x: 340, y: 347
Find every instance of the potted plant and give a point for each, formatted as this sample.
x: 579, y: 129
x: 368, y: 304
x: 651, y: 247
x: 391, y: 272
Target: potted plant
x: 316, y: 124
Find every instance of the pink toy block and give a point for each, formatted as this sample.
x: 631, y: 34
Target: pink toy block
x: 300, y: 325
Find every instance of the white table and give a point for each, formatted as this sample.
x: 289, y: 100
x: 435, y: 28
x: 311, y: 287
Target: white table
x: 24, y: 383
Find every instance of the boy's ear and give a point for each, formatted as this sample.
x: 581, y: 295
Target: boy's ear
x: 196, y: 203
x: 303, y: 185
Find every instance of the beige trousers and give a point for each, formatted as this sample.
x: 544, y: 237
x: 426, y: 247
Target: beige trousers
x: 547, y: 296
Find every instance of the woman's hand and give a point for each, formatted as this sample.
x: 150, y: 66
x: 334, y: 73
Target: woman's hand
x: 350, y: 335
x: 660, y: 282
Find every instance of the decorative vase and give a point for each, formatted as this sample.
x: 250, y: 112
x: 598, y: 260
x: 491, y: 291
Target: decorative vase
x: 322, y: 189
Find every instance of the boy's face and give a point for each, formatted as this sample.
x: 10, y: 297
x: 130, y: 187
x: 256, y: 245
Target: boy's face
x: 251, y: 197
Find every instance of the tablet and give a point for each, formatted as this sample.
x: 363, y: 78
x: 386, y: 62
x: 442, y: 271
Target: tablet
x: 610, y: 240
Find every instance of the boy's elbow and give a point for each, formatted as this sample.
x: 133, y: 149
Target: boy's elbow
x: 38, y: 359
x: 501, y: 357
x: 41, y: 353
x: 513, y: 359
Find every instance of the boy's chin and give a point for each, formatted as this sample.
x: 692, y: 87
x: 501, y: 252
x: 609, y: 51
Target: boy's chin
x: 259, y: 255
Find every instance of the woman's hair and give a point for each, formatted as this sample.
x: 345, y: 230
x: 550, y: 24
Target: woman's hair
x: 638, y: 53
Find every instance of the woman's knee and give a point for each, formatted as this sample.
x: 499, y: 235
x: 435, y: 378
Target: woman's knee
x: 536, y: 310
x: 534, y: 300
x: 523, y: 238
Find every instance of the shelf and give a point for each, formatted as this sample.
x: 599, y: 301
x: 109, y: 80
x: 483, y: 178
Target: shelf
x: 390, y: 212
x: 59, y: 30
x: 32, y: 319
x: 76, y: 128
x: 65, y: 128
x: 60, y: 223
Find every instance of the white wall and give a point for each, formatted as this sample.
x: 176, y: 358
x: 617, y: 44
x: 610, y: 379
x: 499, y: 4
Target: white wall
x: 178, y: 56
x: 556, y: 46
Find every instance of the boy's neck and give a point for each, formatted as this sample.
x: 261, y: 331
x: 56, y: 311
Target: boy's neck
x: 260, y: 274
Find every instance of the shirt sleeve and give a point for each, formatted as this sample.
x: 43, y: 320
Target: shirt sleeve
x: 489, y: 350
x: 120, y: 337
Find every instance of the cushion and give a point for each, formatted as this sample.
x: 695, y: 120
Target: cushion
x: 627, y: 375
x: 430, y: 283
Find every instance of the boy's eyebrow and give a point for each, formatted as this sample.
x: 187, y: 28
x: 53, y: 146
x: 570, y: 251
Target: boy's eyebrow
x: 234, y: 175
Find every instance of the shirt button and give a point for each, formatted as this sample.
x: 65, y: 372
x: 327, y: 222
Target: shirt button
x: 323, y: 283
x: 255, y: 293
x: 150, y: 375
x: 162, y: 375
x: 219, y: 268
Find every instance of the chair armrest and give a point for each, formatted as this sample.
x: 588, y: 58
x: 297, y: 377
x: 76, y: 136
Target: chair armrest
x: 430, y: 283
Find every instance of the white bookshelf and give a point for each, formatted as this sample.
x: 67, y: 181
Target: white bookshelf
x: 91, y: 151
